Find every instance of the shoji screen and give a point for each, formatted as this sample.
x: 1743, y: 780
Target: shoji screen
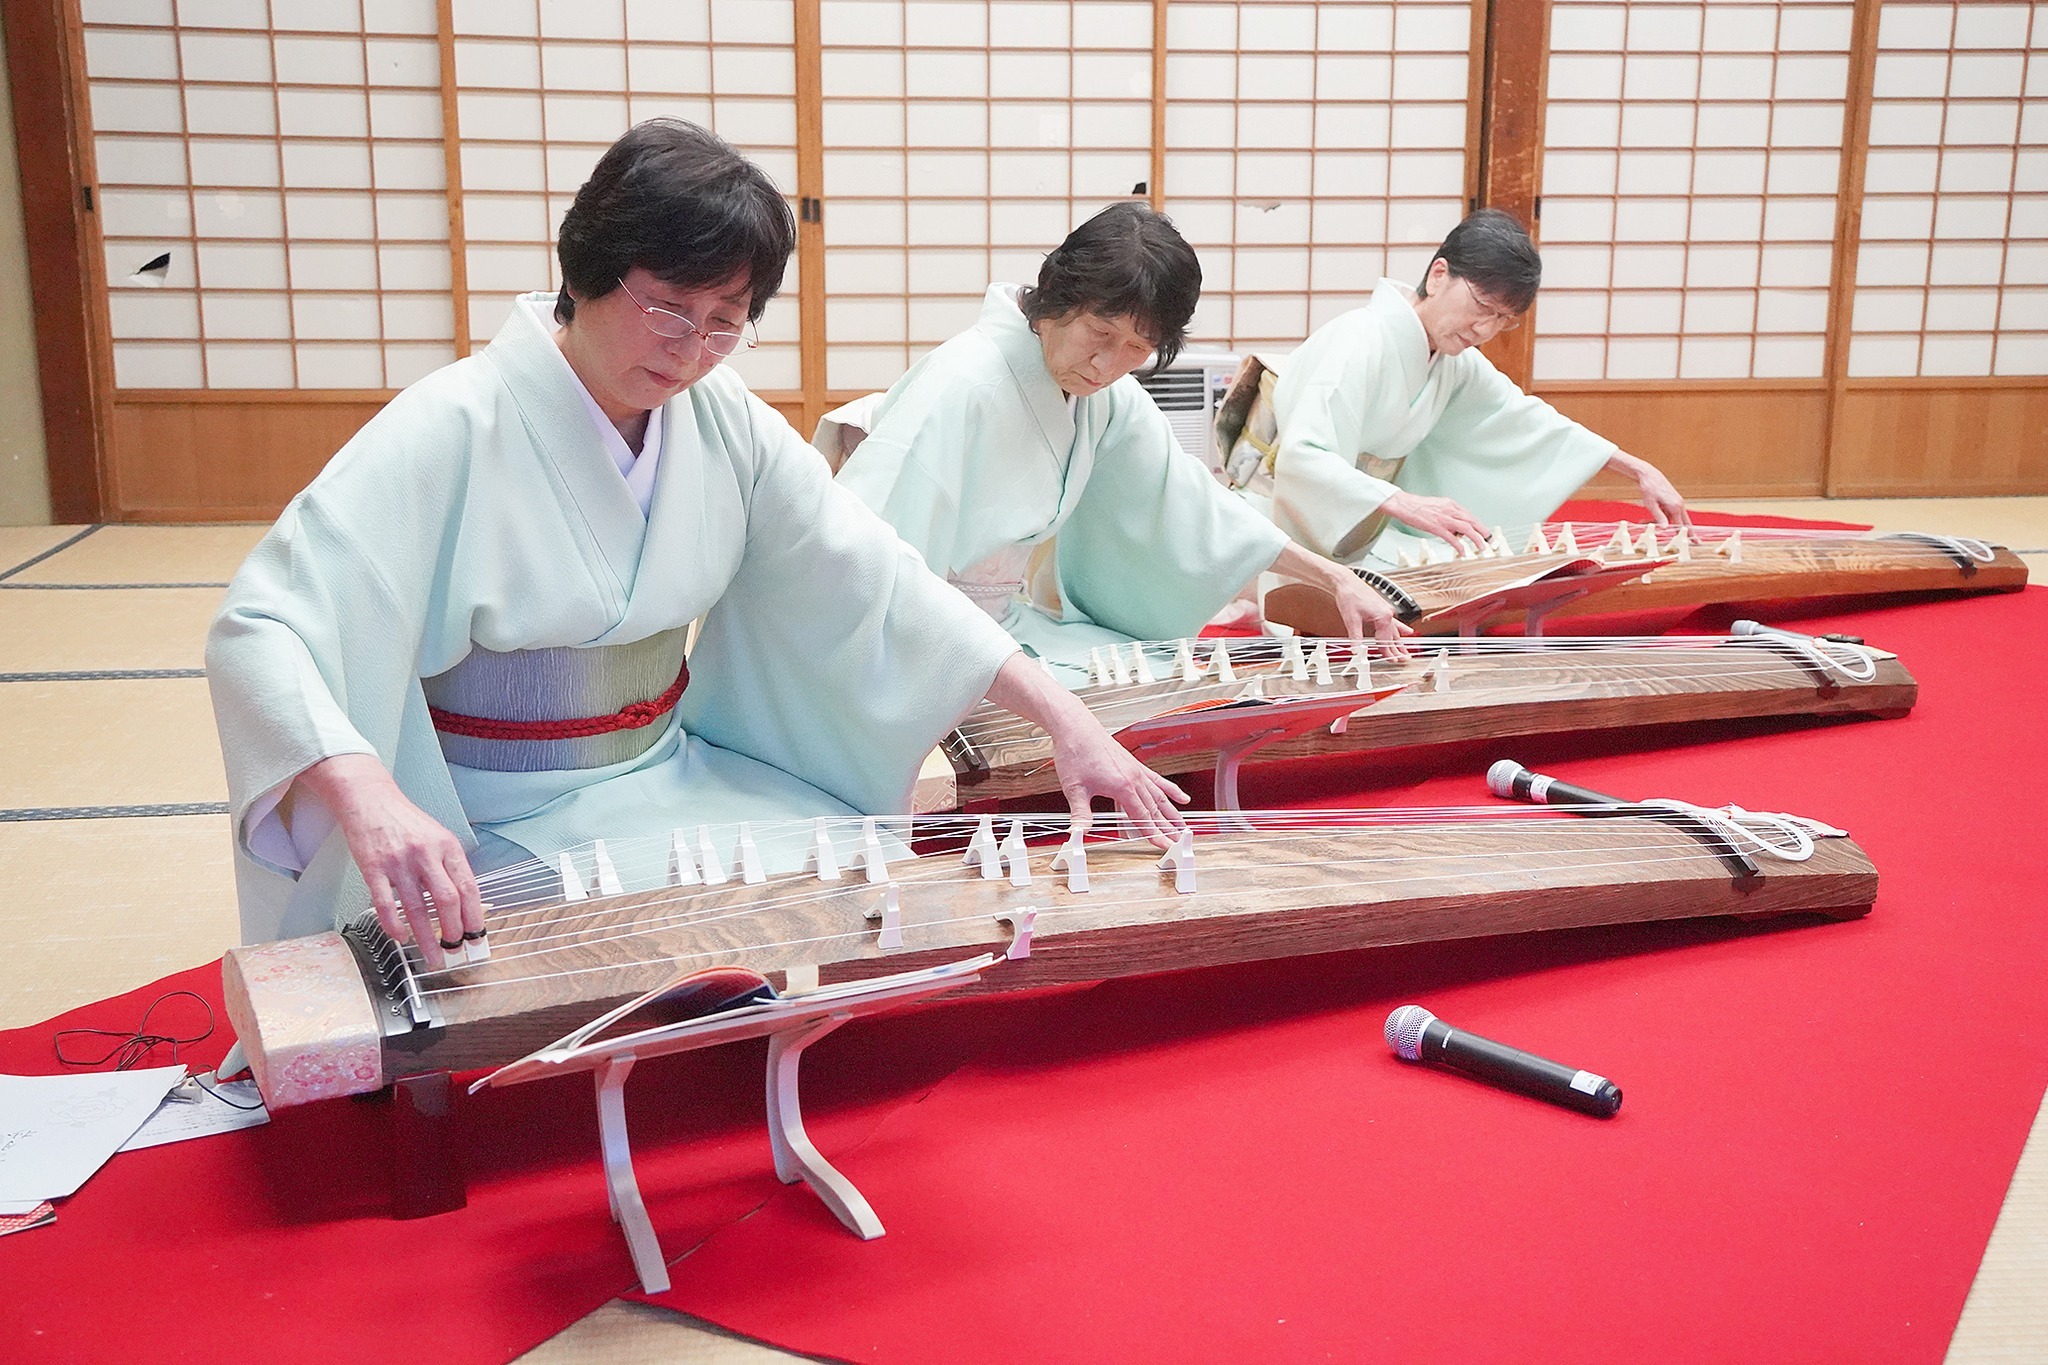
x: 1952, y: 277
x: 1946, y: 384
x: 1311, y: 149
x: 1691, y: 169
x: 544, y: 86
x: 1691, y: 161
x: 286, y: 159
x: 963, y: 139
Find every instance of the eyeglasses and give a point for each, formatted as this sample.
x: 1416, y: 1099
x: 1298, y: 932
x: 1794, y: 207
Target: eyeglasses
x: 665, y: 323
x: 1507, y: 319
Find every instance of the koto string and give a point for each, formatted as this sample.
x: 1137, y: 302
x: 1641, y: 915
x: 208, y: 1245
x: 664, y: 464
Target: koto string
x: 1079, y: 907
x: 1682, y: 847
x: 1502, y: 665
x: 722, y: 909
x: 955, y: 829
x: 1447, y: 568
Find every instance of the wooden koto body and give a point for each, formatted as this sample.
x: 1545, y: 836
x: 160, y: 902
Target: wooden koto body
x: 1491, y: 688
x: 316, y: 1021
x: 1680, y: 567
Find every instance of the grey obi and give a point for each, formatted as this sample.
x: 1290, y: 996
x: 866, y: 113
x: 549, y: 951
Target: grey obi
x: 538, y: 710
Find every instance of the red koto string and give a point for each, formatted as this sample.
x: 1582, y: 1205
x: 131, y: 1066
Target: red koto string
x: 630, y: 717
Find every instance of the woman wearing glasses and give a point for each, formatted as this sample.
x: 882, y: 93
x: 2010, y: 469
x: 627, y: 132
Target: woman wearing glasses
x: 463, y: 644
x: 1392, y: 423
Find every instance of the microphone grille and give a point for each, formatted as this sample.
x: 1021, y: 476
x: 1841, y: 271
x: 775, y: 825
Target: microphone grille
x: 1500, y: 778
x: 1404, y: 1031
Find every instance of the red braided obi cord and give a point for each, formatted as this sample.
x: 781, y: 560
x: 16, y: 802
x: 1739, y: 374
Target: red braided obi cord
x: 631, y: 717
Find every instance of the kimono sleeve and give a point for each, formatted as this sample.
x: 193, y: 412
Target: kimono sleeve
x: 1510, y: 458
x: 1155, y: 546
x: 911, y: 469
x: 834, y: 654
x: 313, y: 652
x: 1320, y: 494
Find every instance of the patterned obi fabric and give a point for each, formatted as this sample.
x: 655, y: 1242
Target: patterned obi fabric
x: 539, y: 710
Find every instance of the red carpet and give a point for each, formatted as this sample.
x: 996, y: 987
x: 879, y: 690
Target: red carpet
x: 1228, y: 1165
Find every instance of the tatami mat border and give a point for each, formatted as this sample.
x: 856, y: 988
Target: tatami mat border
x: 103, y: 675
x: 97, y: 587
x: 58, y: 548
x: 111, y: 812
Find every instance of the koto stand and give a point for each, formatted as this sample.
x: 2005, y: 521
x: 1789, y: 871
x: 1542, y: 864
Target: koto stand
x: 1237, y: 732
x: 791, y: 1024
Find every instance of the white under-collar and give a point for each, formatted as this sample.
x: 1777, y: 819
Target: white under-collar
x: 637, y: 470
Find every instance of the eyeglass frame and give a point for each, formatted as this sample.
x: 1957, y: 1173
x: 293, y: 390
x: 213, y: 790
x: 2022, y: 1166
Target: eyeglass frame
x: 1493, y: 312
x: 742, y: 341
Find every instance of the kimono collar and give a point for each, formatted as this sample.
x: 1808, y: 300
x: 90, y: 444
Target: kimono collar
x: 1002, y: 322
x: 1393, y: 305
x: 548, y: 395
x: 637, y: 470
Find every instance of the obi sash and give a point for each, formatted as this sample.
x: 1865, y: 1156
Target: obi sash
x: 540, y: 710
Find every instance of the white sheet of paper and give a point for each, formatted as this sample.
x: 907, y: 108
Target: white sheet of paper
x: 174, y: 1121
x: 55, y: 1131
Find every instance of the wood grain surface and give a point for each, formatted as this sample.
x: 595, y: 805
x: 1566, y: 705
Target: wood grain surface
x: 1289, y: 887
x: 1497, y: 690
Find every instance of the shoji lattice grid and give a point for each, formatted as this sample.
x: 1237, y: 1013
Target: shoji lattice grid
x: 1691, y: 165
x: 1311, y: 149
x: 963, y: 140
x: 287, y: 158
x: 544, y: 86
x: 1952, y: 275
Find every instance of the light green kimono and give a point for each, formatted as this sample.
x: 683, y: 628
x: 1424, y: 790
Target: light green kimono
x: 1365, y: 408
x: 479, y: 508
x: 1075, y: 528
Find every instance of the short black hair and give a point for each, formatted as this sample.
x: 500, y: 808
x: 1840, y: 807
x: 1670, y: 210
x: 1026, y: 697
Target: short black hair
x: 1492, y: 252
x: 1125, y: 262
x: 681, y: 203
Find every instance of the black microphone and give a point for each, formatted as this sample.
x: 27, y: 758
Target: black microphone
x: 1416, y: 1035
x: 1510, y: 779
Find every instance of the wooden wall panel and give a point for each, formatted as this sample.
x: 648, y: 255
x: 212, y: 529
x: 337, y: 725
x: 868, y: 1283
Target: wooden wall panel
x: 1752, y: 439
x: 241, y: 455
x: 177, y: 457
x: 1941, y: 438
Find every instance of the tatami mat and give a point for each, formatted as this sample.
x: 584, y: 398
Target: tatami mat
x: 2017, y: 523
x: 149, y: 554
x: 133, y: 742
x: 96, y: 907
x: 21, y: 543
x: 622, y: 1333
x: 2005, y: 1321
x: 45, y: 630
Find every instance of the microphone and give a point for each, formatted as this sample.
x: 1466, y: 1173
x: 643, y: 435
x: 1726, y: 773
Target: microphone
x: 1416, y: 1035
x: 1511, y: 780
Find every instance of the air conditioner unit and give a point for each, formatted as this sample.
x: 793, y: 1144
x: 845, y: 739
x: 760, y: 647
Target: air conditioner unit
x: 1189, y: 392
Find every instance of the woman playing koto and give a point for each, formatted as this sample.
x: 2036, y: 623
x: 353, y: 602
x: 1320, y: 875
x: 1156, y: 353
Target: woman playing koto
x: 1025, y: 465
x: 462, y: 645
x: 1396, y: 434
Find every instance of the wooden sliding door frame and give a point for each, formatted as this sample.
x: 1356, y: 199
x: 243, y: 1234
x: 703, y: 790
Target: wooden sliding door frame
x: 1848, y: 227
x: 1511, y: 73
x: 46, y: 82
